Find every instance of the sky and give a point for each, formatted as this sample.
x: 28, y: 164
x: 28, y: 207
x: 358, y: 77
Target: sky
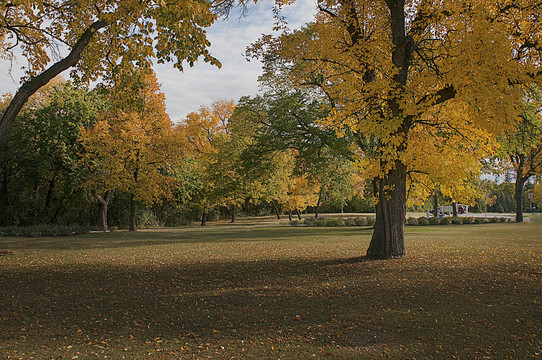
x: 203, y: 84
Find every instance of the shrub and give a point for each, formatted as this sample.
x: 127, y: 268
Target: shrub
x: 371, y: 220
x: 360, y: 220
x: 537, y: 218
x: 493, y: 220
x: 412, y: 221
x: 147, y: 219
x: 457, y: 221
x: 434, y: 221
x: 480, y: 220
x: 349, y: 222
x: 44, y: 230
x: 335, y: 222
x: 423, y: 221
x: 295, y: 223
x: 310, y: 221
x: 445, y: 221
x: 467, y: 220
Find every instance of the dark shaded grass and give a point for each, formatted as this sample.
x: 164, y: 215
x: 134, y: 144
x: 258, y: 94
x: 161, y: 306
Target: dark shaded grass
x: 464, y: 292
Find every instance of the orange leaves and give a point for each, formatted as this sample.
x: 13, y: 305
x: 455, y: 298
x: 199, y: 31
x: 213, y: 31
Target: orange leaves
x: 203, y: 127
x: 432, y: 100
x: 134, y: 150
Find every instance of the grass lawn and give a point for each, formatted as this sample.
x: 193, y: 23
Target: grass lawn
x: 464, y: 292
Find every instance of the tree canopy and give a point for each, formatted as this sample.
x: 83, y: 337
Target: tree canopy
x: 99, y: 36
x: 415, y: 82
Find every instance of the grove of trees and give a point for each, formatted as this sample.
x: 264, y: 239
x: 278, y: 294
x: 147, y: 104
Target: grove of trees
x: 391, y: 101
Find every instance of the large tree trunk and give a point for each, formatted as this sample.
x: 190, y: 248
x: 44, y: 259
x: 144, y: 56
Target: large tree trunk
x: 388, y: 237
x: 518, y: 193
x: 103, y: 203
x: 37, y: 82
x: 454, y: 209
x: 132, y: 214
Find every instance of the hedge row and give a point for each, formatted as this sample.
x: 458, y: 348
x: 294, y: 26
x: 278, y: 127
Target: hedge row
x: 43, y: 230
x: 370, y: 221
x: 322, y: 221
x: 455, y: 220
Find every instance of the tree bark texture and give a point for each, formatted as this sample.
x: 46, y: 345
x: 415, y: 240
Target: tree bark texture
x: 276, y: 209
x: 132, y: 214
x: 204, y: 218
x: 435, y: 204
x: 103, y: 203
x: 518, y: 194
x: 37, y: 82
x: 388, y: 236
x: 233, y: 214
x: 317, y: 209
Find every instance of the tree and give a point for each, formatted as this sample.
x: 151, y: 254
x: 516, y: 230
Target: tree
x: 204, y: 132
x: 406, y: 78
x: 301, y: 194
x: 522, y: 146
x: 133, y: 148
x: 107, y: 34
x: 288, y: 121
x: 39, y: 167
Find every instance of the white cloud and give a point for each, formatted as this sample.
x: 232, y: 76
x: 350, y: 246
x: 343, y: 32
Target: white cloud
x: 203, y: 84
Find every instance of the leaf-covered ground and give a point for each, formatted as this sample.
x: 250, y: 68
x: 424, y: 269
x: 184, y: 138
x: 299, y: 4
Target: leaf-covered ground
x: 465, y: 292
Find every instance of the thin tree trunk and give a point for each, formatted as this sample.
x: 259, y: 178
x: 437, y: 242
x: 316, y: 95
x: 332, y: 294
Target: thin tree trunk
x: 37, y: 82
x: 388, y: 236
x: 435, y: 203
x: 518, y: 193
x: 49, y: 195
x: 317, y: 209
x: 276, y: 209
x: 132, y: 213
x: 298, y: 214
x: 290, y: 215
x: 233, y: 214
x: 454, y: 209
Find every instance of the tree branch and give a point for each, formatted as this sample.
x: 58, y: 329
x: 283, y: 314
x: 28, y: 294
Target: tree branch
x: 36, y: 82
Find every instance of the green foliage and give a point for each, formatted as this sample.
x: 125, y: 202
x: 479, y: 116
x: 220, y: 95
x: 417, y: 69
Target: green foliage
x: 335, y: 221
x: 457, y: 220
x: 147, y: 219
x: 423, y: 221
x: 39, y: 159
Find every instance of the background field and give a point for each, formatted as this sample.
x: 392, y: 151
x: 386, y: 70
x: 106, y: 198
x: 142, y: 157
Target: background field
x: 470, y: 291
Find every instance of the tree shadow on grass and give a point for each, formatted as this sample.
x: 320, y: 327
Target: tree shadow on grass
x: 340, y: 305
